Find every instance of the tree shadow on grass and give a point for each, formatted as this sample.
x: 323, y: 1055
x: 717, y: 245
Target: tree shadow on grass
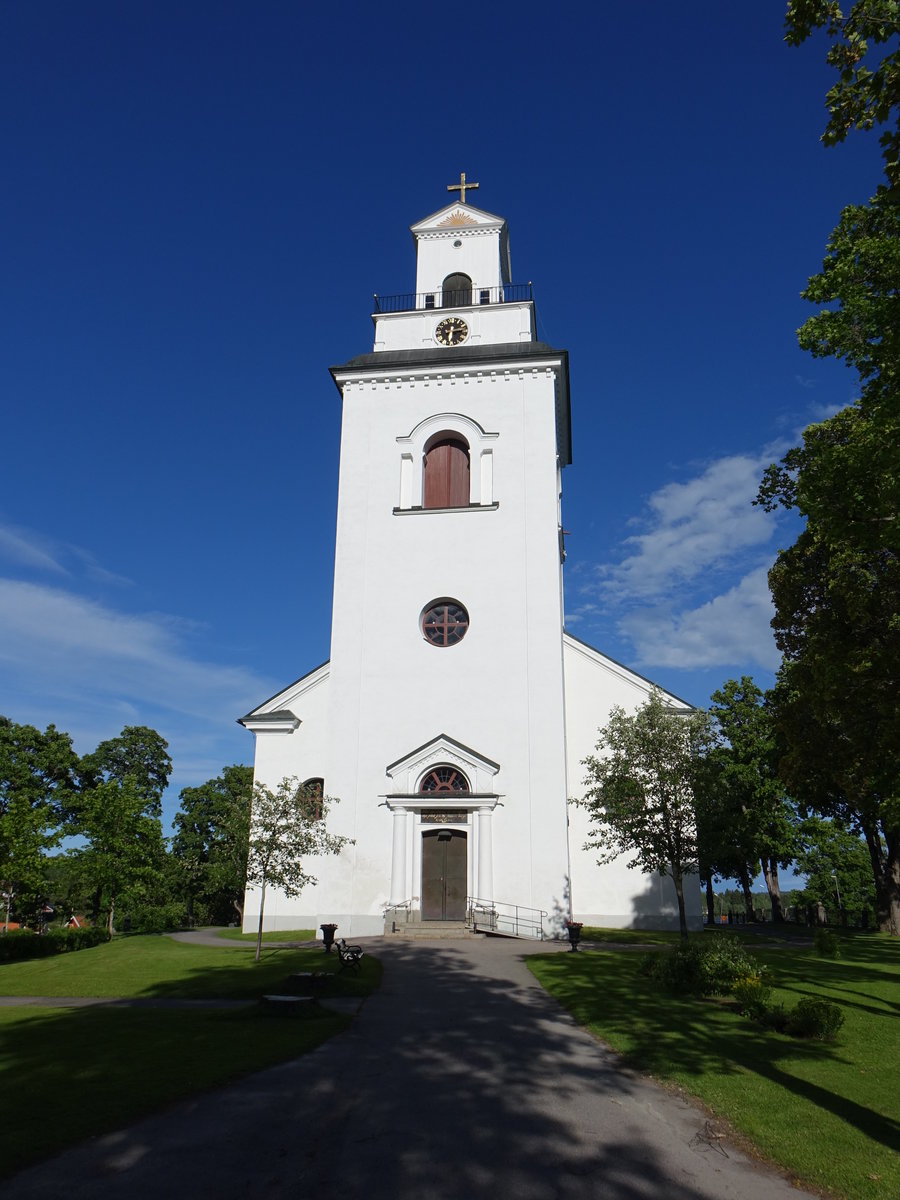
x: 700, y: 1037
x: 863, y: 981
x: 72, y: 1073
x: 242, y: 979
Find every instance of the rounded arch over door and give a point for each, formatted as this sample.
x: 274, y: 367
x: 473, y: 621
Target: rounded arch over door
x: 456, y: 291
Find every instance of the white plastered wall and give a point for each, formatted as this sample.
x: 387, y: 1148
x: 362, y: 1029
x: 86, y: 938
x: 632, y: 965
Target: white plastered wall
x: 611, y: 895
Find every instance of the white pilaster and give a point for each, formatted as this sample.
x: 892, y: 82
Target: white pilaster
x: 485, y: 856
x: 399, y: 879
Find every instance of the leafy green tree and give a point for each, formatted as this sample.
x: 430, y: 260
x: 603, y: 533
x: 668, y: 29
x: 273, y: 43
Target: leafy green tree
x: 724, y: 835
x: 124, y: 851
x: 643, y: 781
x: 867, y: 91
x: 139, y: 754
x: 210, y: 844
x: 287, y: 829
x: 37, y: 775
x: 118, y: 813
x: 756, y: 821
x: 837, y: 589
x: 836, y: 864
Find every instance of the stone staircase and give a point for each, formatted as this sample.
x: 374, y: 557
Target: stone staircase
x: 428, y: 930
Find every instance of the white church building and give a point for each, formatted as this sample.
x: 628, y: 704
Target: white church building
x: 453, y: 716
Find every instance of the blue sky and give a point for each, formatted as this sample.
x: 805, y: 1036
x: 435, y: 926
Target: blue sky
x: 200, y: 200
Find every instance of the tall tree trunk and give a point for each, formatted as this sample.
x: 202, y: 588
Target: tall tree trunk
x: 710, y: 900
x: 238, y: 906
x: 679, y: 892
x: 886, y: 869
x: 770, y: 872
x: 96, y: 901
x: 112, y: 909
x: 748, y: 895
x: 262, y: 906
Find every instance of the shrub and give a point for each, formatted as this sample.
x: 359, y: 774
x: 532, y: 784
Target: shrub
x: 753, y: 994
x: 18, y: 945
x: 827, y: 943
x: 157, y: 918
x: 709, y: 966
x: 815, y: 1018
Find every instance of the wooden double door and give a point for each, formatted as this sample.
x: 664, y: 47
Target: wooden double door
x: 444, y: 875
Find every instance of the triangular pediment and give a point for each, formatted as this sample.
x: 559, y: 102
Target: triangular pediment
x: 407, y: 771
x: 457, y: 216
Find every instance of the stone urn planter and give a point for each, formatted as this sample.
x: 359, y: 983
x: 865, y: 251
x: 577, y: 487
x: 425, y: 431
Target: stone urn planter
x: 328, y: 936
x: 574, y: 930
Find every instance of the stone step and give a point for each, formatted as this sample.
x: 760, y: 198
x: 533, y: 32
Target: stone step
x: 429, y: 930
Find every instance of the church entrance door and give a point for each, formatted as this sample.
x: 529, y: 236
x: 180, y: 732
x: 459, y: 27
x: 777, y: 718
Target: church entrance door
x: 444, y: 875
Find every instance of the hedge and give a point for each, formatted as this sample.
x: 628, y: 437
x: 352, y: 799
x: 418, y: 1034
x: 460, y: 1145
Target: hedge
x: 19, y: 944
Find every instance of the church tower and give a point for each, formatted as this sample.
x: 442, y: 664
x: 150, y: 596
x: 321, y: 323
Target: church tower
x: 440, y: 719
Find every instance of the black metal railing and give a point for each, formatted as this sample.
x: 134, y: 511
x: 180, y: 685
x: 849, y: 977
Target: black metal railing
x: 498, y: 916
x: 506, y: 293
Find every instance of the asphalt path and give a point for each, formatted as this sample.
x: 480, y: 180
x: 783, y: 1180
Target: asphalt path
x: 460, y: 1078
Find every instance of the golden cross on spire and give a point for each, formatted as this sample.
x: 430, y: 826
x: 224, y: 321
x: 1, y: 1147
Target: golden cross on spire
x: 461, y: 187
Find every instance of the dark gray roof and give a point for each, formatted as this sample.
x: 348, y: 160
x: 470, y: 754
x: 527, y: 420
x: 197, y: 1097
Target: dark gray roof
x: 476, y: 355
x: 272, y: 718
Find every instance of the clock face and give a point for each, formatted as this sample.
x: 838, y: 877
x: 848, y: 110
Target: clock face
x: 451, y: 331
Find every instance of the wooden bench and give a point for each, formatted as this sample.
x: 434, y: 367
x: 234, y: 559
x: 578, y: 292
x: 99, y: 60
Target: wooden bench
x: 349, y: 956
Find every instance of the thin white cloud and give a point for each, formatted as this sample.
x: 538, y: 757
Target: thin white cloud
x: 732, y: 629
x: 94, y: 571
x: 28, y: 548
x: 701, y: 525
x: 71, y: 643
x: 92, y: 670
x: 820, y: 412
x: 24, y: 547
x: 582, y: 612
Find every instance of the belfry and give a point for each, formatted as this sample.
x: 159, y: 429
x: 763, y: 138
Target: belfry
x: 454, y: 713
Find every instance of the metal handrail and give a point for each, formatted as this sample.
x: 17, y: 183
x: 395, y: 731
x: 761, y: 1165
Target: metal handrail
x: 474, y: 297
x: 500, y: 916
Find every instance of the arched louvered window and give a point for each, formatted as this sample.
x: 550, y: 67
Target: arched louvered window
x: 444, y: 779
x: 456, y: 291
x: 446, y: 473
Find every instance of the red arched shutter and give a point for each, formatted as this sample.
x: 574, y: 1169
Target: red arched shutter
x: 447, y: 475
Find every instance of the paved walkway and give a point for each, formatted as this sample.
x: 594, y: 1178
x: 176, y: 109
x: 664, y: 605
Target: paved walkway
x: 459, y: 1079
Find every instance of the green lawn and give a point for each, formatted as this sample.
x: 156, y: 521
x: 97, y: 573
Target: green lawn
x: 77, y: 1068
x: 280, y: 935
x: 828, y: 1113
x: 153, y: 966
x: 630, y: 937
